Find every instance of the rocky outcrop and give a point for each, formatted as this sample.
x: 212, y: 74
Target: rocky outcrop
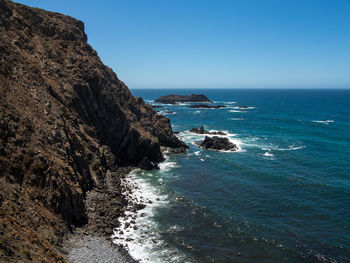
x: 201, y: 130
x: 206, y: 106
x: 218, y: 143
x: 173, y: 99
x: 67, y: 126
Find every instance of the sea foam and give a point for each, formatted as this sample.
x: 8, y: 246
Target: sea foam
x: 138, y: 230
x: 324, y: 122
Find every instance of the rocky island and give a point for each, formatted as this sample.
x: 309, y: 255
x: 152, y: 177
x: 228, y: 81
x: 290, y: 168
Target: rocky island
x: 173, y: 99
x: 218, y: 143
x: 69, y: 131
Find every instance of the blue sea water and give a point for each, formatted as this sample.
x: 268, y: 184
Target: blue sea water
x: 283, y: 197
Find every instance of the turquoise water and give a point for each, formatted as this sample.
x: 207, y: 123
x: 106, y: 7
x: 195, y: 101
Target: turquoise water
x: 283, y: 197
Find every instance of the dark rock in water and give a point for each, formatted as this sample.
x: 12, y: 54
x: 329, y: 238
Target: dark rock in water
x: 176, y: 132
x: 173, y: 99
x: 174, y: 150
x: 177, y: 150
x: 156, y: 106
x: 218, y: 143
x: 201, y: 130
x: 140, y: 206
x: 146, y: 164
x: 205, y: 106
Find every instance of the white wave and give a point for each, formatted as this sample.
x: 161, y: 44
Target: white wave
x: 167, y: 112
x: 243, y: 108
x: 197, y: 112
x: 138, y: 231
x: 236, y: 119
x: 228, y: 134
x: 202, y: 160
x: 291, y: 148
x: 197, y: 153
x: 237, y: 142
x: 324, y: 122
x: 183, y: 104
x: 237, y: 111
x: 268, y: 154
x: 166, y: 165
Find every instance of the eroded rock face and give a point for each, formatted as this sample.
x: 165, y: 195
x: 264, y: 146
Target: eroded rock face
x: 218, y: 143
x: 173, y: 99
x: 65, y: 120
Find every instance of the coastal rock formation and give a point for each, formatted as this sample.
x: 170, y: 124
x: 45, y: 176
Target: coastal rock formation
x: 201, y: 130
x: 205, y: 106
x: 67, y: 126
x: 173, y: 99
x: 218, y: 143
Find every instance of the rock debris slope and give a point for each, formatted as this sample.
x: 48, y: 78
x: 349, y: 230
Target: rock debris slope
x: 67, y: 125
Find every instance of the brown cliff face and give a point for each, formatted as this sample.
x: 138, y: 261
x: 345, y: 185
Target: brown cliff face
x: 65, y: 121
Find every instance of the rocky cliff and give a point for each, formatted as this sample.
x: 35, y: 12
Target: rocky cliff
x: 67, y: 125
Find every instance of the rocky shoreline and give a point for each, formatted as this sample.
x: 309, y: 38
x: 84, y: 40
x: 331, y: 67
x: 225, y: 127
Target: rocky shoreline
x: 93, y: 242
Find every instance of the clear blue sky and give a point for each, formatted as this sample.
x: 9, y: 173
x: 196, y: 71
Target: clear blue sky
x: 217, y: 43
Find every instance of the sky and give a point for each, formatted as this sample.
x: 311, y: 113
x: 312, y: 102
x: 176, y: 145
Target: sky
x: 218, y: 43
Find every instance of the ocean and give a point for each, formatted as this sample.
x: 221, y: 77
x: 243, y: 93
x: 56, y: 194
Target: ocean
x: 284, y: 196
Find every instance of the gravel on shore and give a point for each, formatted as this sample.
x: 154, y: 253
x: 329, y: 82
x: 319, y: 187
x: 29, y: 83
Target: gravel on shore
x: 82, y: 248
x: 91, y: 243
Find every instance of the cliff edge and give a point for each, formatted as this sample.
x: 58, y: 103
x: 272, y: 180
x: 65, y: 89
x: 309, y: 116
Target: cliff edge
x: 67, y: 125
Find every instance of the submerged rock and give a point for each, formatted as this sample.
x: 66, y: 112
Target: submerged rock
x: 218, y: 143
x: 173, y: 99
